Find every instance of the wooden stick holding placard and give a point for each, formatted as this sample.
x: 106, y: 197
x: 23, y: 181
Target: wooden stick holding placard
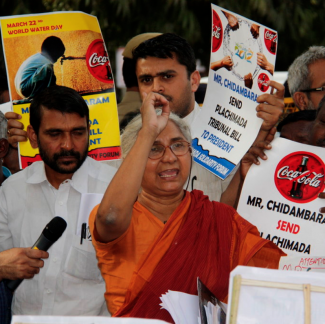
x: 235, y: 299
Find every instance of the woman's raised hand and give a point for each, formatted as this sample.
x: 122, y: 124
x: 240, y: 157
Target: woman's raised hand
x: 152, y: 123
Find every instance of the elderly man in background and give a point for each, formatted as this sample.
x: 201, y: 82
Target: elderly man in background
x: 306, y: 78
x: 317, y: 133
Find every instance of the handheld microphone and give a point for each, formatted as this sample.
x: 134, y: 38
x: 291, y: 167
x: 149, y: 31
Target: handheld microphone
x: 51, y: 233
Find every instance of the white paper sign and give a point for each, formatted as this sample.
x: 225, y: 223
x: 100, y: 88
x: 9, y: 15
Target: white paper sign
x: 242, y: 61
x: 280, y: 197
x: 182, y: 307
x: 87, y: 203
x: 314, y: 264
x: 5, y: 107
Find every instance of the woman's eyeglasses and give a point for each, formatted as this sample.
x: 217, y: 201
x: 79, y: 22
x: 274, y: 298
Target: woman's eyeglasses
x: 179, y: 148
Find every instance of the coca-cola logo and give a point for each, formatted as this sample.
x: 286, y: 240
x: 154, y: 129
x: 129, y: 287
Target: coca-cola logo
x: 299, y: 176
x: 217, y: 32
x: 271, y: 40
x: 262, y: 82
x: 98, y: 62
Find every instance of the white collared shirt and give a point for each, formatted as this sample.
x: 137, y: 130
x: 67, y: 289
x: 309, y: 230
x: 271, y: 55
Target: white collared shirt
x: 192, y: 115
x: 70, y: 282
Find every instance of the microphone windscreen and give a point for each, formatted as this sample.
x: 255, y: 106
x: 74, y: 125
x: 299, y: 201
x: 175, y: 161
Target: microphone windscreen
x: 55, y: 228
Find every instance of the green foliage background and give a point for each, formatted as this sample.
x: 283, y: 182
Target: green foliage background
x: 298, y: 22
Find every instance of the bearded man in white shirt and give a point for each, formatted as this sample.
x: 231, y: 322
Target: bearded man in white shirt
x: 70, y: 282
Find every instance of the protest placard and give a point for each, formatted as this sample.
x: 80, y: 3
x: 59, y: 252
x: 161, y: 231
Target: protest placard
x: 280, y: 197
x: 63, y: 48
x: 242, y: 61
x: 267, y: 296
x: 303, y: 263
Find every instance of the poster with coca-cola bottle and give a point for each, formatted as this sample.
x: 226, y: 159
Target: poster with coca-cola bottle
x: 280, y: 197
x: 63, y: 48
x: 242, y: 62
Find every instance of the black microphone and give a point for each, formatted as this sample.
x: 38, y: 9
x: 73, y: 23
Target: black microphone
x: 51, y: 233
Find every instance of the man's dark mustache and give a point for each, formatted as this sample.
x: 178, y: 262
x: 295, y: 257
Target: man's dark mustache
x: 169, y: 98
x: 66, y: 153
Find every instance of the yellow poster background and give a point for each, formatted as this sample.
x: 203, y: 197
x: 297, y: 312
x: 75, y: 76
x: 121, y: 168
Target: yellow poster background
x: 23, y: 37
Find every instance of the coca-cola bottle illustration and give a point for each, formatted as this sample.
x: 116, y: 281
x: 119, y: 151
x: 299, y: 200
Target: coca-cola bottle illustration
x: 296, y: 190
x: 274, y: 43
x: 263, y: 85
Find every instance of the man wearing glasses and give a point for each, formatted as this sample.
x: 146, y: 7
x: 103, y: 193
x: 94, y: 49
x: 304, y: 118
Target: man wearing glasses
x: 306, y: 78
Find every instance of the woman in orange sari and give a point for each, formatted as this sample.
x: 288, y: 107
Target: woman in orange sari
x: 151, y: 235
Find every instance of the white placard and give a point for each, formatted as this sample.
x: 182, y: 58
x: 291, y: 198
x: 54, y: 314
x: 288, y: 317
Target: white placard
x: 296, y: 263
x: 275, y: 305
x: 5, y: 107
x: 280, y: 197
x: 227, y: 124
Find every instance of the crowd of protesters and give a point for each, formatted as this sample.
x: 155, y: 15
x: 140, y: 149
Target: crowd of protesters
x: 164, y: 220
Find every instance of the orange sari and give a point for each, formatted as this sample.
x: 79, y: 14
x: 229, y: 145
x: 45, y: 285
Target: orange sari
x: 201, y: 239
x: 119, y: 259
x: 210, y: 242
